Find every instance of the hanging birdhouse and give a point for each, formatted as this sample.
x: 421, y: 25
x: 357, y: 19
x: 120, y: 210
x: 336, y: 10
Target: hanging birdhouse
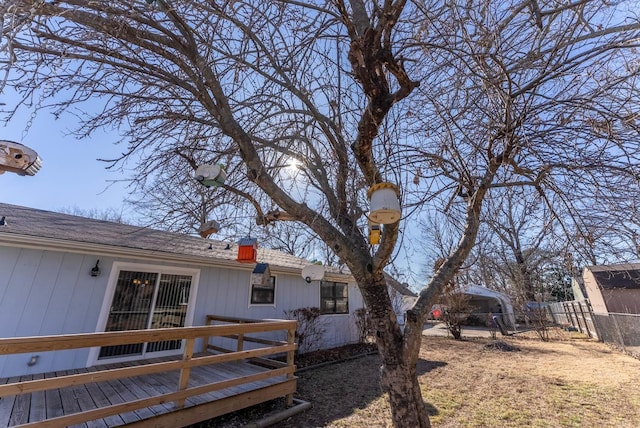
x: 261, y: 274
x: 208, y: 228
x: 247, y: 250
x: 384, y: 203
x: 374, y: 233
x: 18, y: 158
x: 211, y: 175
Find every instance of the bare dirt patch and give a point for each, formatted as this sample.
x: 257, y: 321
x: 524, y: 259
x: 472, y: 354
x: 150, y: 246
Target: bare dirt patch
x: 564, y: 383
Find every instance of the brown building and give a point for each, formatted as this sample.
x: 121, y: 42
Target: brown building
x: 613, y: 288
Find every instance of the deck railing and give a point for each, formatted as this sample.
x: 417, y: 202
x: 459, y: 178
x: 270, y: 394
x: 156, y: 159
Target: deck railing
x: 237, y: 328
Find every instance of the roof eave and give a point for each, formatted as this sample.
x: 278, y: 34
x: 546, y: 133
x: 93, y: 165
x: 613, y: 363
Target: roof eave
x: 54, y: 244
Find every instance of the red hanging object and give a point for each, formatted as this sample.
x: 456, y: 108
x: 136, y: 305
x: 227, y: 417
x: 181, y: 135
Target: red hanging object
x: 247, y: 250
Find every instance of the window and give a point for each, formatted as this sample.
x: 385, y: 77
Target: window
x: 334, y: 298
x: 264, y: 294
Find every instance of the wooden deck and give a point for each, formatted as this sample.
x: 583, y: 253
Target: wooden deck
x: 167, y: 392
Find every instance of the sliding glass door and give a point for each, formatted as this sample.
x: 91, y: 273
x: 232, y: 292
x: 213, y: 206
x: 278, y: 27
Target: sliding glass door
x: 147, y: 300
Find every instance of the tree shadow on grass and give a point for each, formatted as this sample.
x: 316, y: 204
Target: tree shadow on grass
x: 344, y: 389
x: 335, y: 391
x: 425, y: 366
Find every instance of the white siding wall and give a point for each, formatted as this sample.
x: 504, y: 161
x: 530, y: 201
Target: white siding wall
x: 47, y: 292
x: 226, y: 292
x: 44, y: 293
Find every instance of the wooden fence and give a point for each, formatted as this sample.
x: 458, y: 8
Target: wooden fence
x: 237, y: 328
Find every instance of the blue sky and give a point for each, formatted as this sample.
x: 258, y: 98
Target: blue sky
x: 71, y: 176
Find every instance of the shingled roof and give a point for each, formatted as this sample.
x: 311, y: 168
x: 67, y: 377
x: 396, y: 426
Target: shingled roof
x: 24, y: 225
x: 617, y: 276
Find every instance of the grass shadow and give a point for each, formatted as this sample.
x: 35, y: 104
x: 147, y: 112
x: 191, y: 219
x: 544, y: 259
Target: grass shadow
x: 431, y: 410
x: 425, y: 366
x: 326, y: 388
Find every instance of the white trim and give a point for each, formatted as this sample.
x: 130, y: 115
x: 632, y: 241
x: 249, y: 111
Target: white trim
x: 275, y: 294
x: 116, y: 267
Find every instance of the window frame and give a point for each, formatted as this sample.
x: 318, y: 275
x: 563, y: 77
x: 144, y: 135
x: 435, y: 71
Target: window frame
x: 334, y: 298
x: 274, y: 284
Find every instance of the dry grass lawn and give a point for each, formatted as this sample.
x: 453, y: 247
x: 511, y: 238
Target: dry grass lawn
x: 563, y: 383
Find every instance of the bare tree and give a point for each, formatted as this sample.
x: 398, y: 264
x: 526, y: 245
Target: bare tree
x: 173, y: 200
x: 109, y: 214
x: 449, y: 101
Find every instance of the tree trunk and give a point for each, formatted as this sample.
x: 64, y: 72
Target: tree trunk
x: 400, y: 381
x: 525, y: 277
x: 398, y: 350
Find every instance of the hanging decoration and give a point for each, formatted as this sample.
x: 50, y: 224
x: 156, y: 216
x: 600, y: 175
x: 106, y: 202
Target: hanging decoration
x: 247, y: 250
x: 208, y: 228
x: 211, y: 175
x: 384, y: 203
x: 374, y: 233
x: 261, y: 274
x: 18, y: 158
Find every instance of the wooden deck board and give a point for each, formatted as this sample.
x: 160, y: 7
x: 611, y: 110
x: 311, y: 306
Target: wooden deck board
x: 100, y: 399
x: 20, y: 412
x: 41, y: 405
x: 52, y: 400
x: 86, y: 402
x: 197, y: 378
x: 38, y: 411
x: 68, y: 400
x: 6, y: 403
x: 126, y: 395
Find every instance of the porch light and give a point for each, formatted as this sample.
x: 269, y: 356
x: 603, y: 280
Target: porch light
x: 95, y: 271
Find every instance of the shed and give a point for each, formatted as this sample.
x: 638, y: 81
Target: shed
x: 613, y: 288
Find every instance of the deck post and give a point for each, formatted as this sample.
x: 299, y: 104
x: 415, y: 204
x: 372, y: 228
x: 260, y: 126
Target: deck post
x: 240, y: 338
x: 291, y: 337
x: 205, y: 340
x: 183, y: 383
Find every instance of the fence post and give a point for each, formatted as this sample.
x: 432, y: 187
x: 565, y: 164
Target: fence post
x: 593, y: 321
x: 185, y: 371
x: 575, y: 311
x: 567, y: 313
x: 291, y: 338
x: 584, y: 318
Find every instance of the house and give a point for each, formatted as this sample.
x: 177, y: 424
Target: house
x: 613, y: 288
x: 402, y: 298
x: 64, y: 274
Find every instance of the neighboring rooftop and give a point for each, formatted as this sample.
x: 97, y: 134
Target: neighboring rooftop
x: 617, y: 276
x: 401, y: 288
x: 21, y: 223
